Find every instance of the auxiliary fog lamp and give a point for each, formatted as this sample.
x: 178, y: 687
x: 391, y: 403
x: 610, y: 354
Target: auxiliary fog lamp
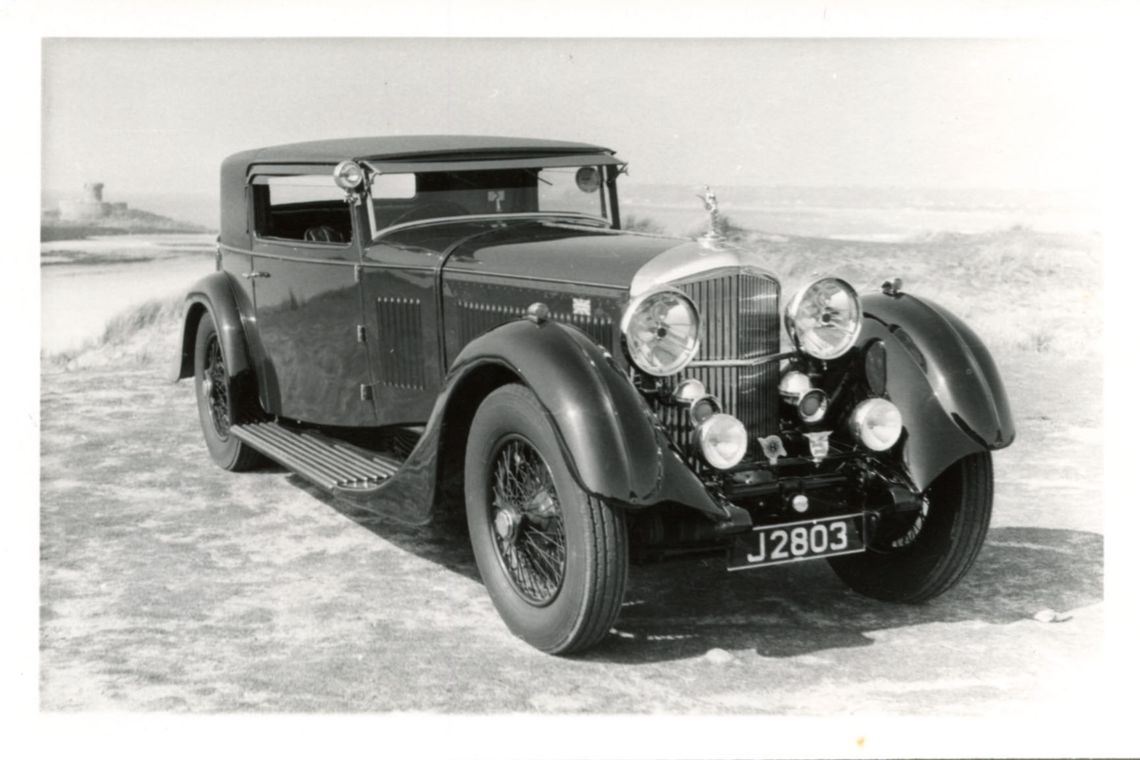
x: 722, y: 439
x: 796, y: 390
x: 876, y: 423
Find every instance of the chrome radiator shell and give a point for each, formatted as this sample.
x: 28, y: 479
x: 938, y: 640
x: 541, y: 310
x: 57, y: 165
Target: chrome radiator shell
x: 740, y: 320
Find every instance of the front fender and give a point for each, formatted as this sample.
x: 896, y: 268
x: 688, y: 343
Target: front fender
x: 943, y: 380
x: 607, y: 430
x: 214, y: 294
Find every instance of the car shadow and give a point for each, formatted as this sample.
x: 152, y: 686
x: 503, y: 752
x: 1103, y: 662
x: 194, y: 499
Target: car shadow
x: 444, y: 542
x: 684, y: 608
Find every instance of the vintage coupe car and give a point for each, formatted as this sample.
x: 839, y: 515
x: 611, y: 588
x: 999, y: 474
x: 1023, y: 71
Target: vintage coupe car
x: 421, y: 324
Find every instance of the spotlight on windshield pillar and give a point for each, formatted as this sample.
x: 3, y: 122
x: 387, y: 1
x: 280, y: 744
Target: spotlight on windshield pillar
x: 348, y: 175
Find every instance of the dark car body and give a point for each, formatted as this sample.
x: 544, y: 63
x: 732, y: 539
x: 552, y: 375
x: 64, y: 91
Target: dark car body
x: 389, y: 334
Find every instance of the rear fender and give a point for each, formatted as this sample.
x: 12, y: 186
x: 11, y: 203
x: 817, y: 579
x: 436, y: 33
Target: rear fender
x: 214, y: 294
x: 944, y: 381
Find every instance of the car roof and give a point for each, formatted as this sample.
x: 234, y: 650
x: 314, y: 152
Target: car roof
x: 412, y: 147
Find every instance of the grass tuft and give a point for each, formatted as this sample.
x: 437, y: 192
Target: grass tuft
x: 141, y: 335
x: 126, y: 324
x: 637, y: 223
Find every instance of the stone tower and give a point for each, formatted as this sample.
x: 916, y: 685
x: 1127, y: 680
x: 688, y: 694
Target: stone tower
x: 93, y: 192
x: 89, y: 206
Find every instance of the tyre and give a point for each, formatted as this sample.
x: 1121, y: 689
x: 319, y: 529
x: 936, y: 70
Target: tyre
x: 218, y: 401
x: 927, y: 555
x: 553, y: 558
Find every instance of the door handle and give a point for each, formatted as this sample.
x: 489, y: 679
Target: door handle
x: 254, y: 275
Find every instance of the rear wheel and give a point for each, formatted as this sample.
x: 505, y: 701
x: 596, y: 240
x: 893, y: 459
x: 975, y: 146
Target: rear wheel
x: 553, y: 558
x: 930, y: 554
x: 218, y: 401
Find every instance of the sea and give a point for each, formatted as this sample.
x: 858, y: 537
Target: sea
x: 865, y: 213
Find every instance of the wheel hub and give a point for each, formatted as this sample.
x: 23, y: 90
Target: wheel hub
x: 507, y: 524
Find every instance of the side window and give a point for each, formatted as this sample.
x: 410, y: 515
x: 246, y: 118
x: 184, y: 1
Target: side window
x: 308, y: 208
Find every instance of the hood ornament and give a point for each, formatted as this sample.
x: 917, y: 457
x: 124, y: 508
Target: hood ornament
x: 714, y: 237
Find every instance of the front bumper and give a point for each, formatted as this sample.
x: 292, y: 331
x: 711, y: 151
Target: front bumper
x: 759, y: 493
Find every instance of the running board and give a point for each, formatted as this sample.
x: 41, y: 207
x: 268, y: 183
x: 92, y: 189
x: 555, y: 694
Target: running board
x: 326, y: 462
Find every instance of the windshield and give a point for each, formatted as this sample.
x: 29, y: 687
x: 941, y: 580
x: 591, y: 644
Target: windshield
x: 402, y: 198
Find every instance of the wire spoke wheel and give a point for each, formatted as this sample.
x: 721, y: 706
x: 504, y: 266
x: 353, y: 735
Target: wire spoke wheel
x: 527, y: 521
x: 215, y: 388
x: 220, y: 399
x: 554, y: 558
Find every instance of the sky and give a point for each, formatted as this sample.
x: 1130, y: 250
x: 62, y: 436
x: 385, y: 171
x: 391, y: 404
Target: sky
x: 158, y: 115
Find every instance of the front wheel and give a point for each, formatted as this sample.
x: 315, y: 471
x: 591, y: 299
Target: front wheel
x: 918, y: 561
x: 553, y: 558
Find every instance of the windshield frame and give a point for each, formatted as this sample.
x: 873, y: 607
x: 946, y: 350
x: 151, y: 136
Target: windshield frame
x: 609, y: 166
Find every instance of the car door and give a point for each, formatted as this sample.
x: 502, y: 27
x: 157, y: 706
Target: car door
x: 307, y: 302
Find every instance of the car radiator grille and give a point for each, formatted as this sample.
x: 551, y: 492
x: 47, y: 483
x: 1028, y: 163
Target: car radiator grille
x: 740, y: 319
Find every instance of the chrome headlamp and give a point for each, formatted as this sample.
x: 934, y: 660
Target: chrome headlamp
x: 662, y: 331
x: 824, y: 318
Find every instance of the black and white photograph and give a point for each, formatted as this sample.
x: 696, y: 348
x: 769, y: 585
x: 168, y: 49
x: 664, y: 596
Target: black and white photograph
x: 428, y: 377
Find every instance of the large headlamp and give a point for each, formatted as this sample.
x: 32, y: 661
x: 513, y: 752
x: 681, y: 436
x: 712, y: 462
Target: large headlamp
x: 824, y: 317
x: 662, y: 331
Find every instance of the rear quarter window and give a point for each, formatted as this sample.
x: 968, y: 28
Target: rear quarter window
x: 308, y: 208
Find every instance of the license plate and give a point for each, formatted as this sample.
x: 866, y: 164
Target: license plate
x: 797, y: 541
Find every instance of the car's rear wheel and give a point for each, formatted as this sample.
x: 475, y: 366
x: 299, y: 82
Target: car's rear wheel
x: 553, y: 558
x: 932, y: 552
x: 218, y: 401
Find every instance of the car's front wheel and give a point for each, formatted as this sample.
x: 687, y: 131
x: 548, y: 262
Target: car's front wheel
x: 553, y: 558
x: 930, y: 553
